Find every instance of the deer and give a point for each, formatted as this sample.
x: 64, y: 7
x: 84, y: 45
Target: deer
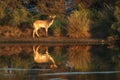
x: 42, y: 24
x: 43, y: 58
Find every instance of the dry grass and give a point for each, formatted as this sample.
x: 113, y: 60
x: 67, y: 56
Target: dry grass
x: 78, y: 24
x: 8, y: 32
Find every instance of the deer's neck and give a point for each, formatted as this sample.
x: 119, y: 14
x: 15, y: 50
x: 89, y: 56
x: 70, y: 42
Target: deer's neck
x: 50, y: 21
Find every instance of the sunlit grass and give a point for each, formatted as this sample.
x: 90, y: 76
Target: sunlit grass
x: 78, y: 24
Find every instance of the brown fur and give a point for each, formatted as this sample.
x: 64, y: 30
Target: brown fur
x: 43, y: 58
x: 42, y: 24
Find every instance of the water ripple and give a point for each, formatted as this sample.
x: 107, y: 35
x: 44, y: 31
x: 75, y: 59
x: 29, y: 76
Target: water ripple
x: 20, y: 69
x: 76, y: 73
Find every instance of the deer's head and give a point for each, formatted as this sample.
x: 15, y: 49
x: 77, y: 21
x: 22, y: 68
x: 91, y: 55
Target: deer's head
x: 52, y: 16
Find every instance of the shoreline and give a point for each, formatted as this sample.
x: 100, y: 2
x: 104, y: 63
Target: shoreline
x: 53, y: 40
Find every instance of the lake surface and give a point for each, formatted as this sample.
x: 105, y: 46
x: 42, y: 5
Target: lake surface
x: 59, y: 62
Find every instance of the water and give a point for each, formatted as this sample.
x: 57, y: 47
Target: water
x: 59, y: 62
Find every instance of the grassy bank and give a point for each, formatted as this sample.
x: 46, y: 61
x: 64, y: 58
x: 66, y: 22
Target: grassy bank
x: 52, y: 40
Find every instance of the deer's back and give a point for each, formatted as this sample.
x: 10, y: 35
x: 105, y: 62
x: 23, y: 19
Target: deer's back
x: 40, y: 23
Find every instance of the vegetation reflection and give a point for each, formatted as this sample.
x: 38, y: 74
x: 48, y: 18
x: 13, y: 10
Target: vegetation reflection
x: 20, y: 60
x: 79, y: 57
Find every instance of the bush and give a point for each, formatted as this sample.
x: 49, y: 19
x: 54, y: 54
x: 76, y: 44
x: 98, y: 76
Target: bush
x: 58, y: 28
x: 12, y: 14
x: 8, y: 31
x: 2, y: 9
x: 115, y: 27
x: 18, y: 16
x: 78, y: 24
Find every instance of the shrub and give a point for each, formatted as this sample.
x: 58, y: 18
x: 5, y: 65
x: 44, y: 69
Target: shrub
x: 8, y: 31
x: 115, y: 27
x: 58, y: 28
x: 57, y: 32
x: 3, y: 12
x: 2, y: 9
x: 19, y: 15
x: 100, y: 26
x: 78, y: 24
x: 13, y: 14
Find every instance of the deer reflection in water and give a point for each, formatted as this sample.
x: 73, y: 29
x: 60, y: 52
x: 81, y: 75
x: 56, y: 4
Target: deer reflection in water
x: 43, y: 57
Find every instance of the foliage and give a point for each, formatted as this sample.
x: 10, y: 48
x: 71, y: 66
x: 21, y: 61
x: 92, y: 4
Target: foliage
x: 85, y: 3
x: 19, y: 15
x: 87, y: 18
x: 78, y: 24
x: 115, y: 27
x: 101, y: 23
x: 59, y: 26
x: 59, y: 56
x: 79, y: 57
x: 13, y: 14
x: 95, y: 4
x: 103, y: 16
x: 57, y: 32
x: 117, y: 12
x: 116, y: 30
x: 8, y: 31
x: 3, y: 6
x: 51, y: 6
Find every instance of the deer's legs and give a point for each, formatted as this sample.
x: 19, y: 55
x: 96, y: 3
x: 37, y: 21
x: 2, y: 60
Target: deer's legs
x: 35, y: 49
x: 37, y: 33
x: 53, y: 63
x: 46, y: 31
x: 33, y: 33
